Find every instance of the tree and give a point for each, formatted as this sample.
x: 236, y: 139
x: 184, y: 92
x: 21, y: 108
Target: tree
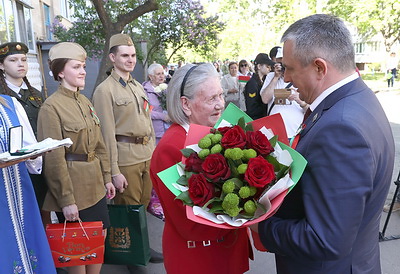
x: 97, y: 23
x: 371, y: 17
x: 175, y: 24
x: 183, y: 24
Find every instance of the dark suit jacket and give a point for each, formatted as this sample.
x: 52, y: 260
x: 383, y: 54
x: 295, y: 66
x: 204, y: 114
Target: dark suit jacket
x: 329, y: 223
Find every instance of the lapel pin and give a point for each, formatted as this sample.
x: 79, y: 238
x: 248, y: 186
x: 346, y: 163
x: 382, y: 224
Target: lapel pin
x: 314, y: 117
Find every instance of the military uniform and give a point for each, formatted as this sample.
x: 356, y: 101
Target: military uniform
x: 71, y: 180
x: 124, y: 112
x: 31, y: 103
x: 31, y: 100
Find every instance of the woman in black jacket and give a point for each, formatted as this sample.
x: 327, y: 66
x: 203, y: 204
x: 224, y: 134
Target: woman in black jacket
x: 255, y: 108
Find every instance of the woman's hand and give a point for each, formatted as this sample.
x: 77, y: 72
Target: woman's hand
x: 71, y: 213
x: 110, y: 190
x: 166, y: 118
x: 120, y: 182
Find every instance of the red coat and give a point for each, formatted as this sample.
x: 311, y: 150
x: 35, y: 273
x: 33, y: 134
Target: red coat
x: 230, y: 256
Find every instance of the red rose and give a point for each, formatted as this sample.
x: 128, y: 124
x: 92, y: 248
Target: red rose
x: 235, y: 137
x: 223, y: 130
x: 216, y: 168
x: 193, y: 163
x: 200, y: 190
x: 259, y: 142
x: 259, y: 172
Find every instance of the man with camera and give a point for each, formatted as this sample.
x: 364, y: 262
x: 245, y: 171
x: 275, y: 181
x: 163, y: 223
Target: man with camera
x: 281, y: 97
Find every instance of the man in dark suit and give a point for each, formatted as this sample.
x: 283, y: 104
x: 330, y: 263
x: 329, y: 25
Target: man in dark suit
x: 329, y: 223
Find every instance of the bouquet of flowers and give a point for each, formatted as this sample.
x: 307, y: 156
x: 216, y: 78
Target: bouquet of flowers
x: 233, y: 175
x: 160, y: 90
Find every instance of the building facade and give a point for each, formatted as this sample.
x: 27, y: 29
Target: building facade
x: 29, y: 21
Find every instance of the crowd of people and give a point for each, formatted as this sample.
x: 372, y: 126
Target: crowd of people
x: 128, y: 132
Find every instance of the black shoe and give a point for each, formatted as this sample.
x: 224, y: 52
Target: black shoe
x: 156, y: 257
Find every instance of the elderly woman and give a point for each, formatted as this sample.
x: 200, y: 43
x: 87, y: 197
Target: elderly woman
x: 194, y: 96
x: 159, y: 118
x: 78, y: 177
x: 230, y: 86
x: 157, y: 96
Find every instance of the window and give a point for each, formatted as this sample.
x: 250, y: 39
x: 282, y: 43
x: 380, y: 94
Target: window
x: 47, y: 21
x: 7, y: 22
x: 66, y: 11
x: 16, y: 22
x: 25, y: 25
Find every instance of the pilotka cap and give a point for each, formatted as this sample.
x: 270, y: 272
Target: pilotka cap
x: 120, y: 39
x: 68, y: 50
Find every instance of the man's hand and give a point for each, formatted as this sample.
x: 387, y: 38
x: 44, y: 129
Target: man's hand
x: 278, y: 70
x: 295, y: 97
x: 110, y: 190
x: 120, y: 182
x: 233, y: 90
x: 71, y: 212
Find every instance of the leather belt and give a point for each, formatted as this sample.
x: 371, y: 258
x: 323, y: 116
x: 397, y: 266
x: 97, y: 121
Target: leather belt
x: 80, y: 157
x: 194, y: 244
x: 132, y: 139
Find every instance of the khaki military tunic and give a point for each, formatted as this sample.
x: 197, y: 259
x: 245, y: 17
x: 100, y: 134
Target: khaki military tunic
x: 123, y: 109
x: 69, y: 114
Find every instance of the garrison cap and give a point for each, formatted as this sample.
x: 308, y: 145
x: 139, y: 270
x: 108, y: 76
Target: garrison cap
x: 68, y: 50
x: 120, y: 39
x: 12, y: 48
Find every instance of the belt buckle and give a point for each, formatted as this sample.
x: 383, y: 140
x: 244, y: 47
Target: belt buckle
x: 145, y: 140
x: 90, y: 156
x: 191, y: 244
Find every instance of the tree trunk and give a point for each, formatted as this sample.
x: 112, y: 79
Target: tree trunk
x: 117, y: 27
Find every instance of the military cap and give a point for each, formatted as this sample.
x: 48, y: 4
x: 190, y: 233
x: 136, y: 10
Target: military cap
x: 13, y: 48
x: 68, y: 50
x: 120, y: 39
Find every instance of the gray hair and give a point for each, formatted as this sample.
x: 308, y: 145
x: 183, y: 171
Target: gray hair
x: 322, y: 36
x: 153, y: 67
x: 194, y: 81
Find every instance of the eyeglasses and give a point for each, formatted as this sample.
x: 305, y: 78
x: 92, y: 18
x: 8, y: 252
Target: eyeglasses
x: 243, y: 65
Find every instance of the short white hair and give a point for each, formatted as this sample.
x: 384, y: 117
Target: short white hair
x: 153, y: 67
x: 193, y: 84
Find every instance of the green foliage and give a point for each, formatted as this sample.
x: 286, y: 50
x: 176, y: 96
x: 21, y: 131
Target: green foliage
x: 184, y: 197
x: 370, y: 17
x: 376, y: 76
x: 183, y: 24
x: 177, y: 24
x: 187, y: 151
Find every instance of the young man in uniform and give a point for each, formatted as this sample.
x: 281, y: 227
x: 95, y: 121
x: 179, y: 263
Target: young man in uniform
x: 124, y: 111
